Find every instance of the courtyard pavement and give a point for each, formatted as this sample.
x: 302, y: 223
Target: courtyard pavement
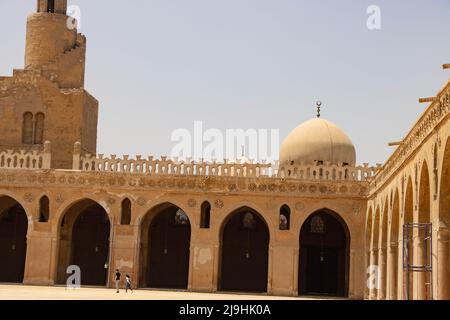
x: 21, y: 292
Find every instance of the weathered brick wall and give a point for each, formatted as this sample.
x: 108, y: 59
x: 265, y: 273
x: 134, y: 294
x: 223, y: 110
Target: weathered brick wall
x: 47, y: 37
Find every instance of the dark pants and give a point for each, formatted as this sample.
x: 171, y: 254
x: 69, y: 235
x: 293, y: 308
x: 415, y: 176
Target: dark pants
x: 128, y: 287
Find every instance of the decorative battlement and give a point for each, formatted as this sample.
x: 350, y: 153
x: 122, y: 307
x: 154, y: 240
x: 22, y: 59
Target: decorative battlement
x: 329, y: 172
x: 165, y: 166
x: 26, y: 160
x: 438, y: 110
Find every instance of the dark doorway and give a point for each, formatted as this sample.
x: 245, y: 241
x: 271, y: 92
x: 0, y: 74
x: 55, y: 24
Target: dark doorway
x: 245, y: 253
x: 84, y: 241
x: 324, y: 258
x: 166, y: 249
x: 91, y: 245
x: 13, y: 241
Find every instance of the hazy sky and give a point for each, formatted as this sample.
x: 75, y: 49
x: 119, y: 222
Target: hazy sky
x: 159, y: 65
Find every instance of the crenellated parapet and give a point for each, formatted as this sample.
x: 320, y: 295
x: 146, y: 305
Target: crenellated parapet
x: 26, y: 159
x: 435, y: 114
x: 164, y: 166
x: 328, y: 171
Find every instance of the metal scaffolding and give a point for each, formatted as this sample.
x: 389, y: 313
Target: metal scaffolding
x: 415, y: 234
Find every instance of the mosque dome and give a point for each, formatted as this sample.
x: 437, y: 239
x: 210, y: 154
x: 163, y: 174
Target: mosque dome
x: 317, y: 141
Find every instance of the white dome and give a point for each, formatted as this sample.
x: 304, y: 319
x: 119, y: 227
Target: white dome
x: 317, y: 140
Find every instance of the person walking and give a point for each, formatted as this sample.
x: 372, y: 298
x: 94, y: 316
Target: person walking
x: 128, y: 278
x: 117, y: 279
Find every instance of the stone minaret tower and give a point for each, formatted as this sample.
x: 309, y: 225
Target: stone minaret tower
x: 46, y: 101
x: 50, y: 39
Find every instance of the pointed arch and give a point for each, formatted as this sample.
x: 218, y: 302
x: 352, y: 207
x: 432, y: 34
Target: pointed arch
x: 44, y: 209
x: 164, y: 254
x: 27, y: 128
x: 13, y: 240
x: 125, y: 214
x: 420, y: 243
x: 39, y: 128
x: 444, y: 221
x: 244, y: 243
x: 409, y: 203
x: 84, y: 240
x: 424, y: 195
x: 285, y: 218
x: 324, y: 258
x: 408, y: 217
x: 205, y: 215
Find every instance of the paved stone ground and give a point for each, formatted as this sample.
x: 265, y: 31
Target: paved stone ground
x: 20, y: 292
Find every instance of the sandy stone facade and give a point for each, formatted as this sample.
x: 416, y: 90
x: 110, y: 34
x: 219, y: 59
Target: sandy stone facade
x: 301, y: 229
x: 49, y: 95
x: 413, y: 187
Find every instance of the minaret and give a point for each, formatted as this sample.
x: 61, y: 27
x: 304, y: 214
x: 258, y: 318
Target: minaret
x: 47, y: 101
x: 50, y: 42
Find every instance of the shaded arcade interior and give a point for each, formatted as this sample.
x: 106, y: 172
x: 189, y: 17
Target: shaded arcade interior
x: 165, y: 248
x: 324, y: 255
x: 13, y: 240
x: 244, y: 252
x: 84, y: 241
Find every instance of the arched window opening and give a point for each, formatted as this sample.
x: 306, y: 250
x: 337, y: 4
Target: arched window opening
x: 27, y: 128
x: 125, y: 217
x: 205, y: 219
x: 51, y: 6
x: 39, y: 129
x: 285, y: 218
x: 44, y: 209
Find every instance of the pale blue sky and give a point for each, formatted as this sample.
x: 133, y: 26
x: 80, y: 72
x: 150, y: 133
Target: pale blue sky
x: 159, y: 65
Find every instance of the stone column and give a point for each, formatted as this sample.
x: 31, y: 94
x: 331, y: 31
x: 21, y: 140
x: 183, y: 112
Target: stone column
x: 443, y: 264
x: 382, y: 273
x: 392, y: 273
x: 38, y: 267
x: 373, y: 262
x: 203, y: 262
x: 421, y: 293
x: 284, y: 267
x: 123, y: 253
x: 366, y: 287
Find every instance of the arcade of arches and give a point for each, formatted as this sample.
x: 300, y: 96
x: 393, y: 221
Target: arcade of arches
x: 419, y: 196
x: 314, y: 225
x: 169, y: 254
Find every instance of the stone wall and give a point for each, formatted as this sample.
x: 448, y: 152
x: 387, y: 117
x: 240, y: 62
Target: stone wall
x: 412, y: 187
x: 226, y: 194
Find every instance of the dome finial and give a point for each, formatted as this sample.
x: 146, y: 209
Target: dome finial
x: 319, y: 105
